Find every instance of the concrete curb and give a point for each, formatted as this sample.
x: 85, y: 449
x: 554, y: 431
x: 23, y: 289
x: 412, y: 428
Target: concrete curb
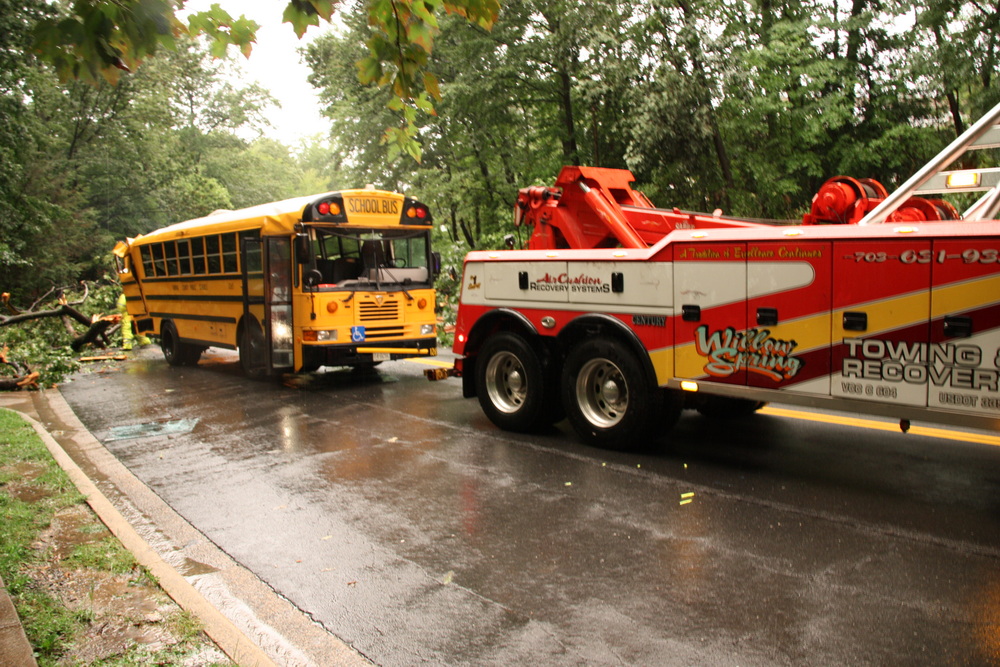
x: 14, y: 646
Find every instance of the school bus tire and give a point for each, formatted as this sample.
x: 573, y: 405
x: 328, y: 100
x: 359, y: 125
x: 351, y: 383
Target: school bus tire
x: 511, y: 383
x: 251, y: 348
x: 608, y: 399
x: 176, y: 352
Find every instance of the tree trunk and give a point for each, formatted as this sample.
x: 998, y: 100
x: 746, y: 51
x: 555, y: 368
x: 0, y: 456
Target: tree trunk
x: 701, y: 76
x: 570, y: 152
x: 467, y: 233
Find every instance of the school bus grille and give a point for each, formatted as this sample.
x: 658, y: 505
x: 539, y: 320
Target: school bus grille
x: 376, y: 333
x: 371, y: 311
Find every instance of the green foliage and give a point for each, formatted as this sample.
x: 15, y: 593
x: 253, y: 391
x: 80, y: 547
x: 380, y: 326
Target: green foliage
x: 711, y: 104
x: 90, y: 164
x: 106, y: 554
x: 95, y: 40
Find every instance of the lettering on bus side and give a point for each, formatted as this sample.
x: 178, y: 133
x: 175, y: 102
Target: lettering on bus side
x: 373, y: 206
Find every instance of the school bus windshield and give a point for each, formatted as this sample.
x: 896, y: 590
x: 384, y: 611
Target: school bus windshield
x: 359, y: 259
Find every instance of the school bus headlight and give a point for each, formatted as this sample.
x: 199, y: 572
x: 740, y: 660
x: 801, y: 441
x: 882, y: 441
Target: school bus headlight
x: 319, y: 336
x: 688, y: 385
x: 426, y: 329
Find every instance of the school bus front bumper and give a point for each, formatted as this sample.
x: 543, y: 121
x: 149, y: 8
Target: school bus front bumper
x: 314, y: 355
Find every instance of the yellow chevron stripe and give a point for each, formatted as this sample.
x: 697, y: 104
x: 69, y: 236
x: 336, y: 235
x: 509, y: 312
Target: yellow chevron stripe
x: 886, y: 314
x: 663, y: 364
x: 965, y: 296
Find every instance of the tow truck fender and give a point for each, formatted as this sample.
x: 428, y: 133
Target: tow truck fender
x: 591, y: 323
x: 495, y: 320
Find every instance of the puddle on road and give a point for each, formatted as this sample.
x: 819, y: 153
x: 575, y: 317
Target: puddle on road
x: 192, y: 568
x: 148, y: 430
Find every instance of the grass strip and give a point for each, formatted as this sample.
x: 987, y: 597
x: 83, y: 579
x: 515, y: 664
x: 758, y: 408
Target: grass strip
x: 33, y: 490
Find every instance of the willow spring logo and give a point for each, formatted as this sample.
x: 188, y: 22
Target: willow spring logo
x: 729, y: 351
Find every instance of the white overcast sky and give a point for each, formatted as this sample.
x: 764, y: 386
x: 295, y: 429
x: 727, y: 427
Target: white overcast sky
x: 276, y: 65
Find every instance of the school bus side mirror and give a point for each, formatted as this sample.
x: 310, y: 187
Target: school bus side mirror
x: 302, y: 251
x: 312, y: 278
x: 435, y: 263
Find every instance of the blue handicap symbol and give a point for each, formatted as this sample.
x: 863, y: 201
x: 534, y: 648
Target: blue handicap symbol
x: 357, y: 334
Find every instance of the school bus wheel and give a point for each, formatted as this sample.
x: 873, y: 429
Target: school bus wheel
x: 251, y: 348
x: 176, y: 352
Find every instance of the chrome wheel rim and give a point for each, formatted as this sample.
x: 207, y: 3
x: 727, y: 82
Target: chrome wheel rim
x: 602, y: 393
x: 506, y: 383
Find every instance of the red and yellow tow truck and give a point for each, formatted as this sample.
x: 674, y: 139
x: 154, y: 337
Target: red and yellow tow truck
x: 618, y: 314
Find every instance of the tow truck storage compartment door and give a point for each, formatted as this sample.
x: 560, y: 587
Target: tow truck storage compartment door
x: 964, y: 355
x: 881, y: 312
x: 710, y: 313
x: 510, y: 282
x: 788, y: 315
x: 633, y: 286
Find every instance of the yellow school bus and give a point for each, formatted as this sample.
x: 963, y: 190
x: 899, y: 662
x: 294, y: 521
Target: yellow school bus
x: 339, y: 279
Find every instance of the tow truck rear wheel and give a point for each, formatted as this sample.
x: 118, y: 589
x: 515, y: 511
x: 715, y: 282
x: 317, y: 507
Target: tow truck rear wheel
x: 607, y: 397
x: 511, y: 383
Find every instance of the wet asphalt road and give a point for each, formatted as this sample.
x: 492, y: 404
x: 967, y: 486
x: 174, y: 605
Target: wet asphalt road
x: 394, y: 513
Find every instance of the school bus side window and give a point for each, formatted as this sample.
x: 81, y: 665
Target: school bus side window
x: 253, y: 260
x: 229, y: 261
x: 170, y: 252
x: 147, y: 261
x: 159, y: 265
x: 184, y: 256
x: 212, y: 251
x: 198, y: 256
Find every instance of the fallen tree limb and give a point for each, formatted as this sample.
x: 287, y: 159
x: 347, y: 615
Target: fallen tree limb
x: 95, y: 331
x: 23, y: 382
x: 63, y: 309
x: 24, y: 376
x: 96, y: 334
